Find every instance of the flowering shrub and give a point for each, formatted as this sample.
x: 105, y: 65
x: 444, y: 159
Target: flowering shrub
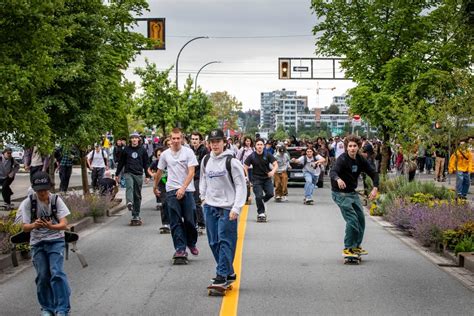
x: 9, y: 227
x: 77, y: 205
x: 428, y: 222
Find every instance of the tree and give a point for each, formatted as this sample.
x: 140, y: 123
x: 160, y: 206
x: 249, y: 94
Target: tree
x: 280, y: 133
x: 226, y: 108
x: 388, y: 46
x: 333, y: 109
x: 29, y: 43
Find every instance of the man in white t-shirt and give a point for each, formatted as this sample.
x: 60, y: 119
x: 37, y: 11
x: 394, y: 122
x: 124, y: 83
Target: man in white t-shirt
x: 97, y: 161
x: 338, y: 146
x: 180, y: 163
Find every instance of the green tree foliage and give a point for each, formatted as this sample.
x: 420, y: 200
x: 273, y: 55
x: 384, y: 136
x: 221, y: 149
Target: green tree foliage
x: 332, y: 109
x: 162, y: 105
x: 280, y: 133
x: 226, y: 108
x: 388, y: 47
x: 29, y: 41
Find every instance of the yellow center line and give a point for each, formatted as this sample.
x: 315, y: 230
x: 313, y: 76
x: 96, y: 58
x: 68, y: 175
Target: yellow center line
x: 230, y: 302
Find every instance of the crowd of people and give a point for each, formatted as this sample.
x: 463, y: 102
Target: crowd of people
x: 202, y: 183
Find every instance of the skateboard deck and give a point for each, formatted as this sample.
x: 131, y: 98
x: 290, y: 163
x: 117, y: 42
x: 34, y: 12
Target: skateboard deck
x: 178, y: 260
x: 136, y: 222
x: 352, y: 260
x: 165, y: 230
x: 219, y: 290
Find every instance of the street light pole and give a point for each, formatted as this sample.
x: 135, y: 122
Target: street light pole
x: 177, y: 58
x: 197, y: 75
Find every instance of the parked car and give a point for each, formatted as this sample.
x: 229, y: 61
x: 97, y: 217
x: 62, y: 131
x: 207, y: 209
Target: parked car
x: 295, y: 174
x: 17, y: 153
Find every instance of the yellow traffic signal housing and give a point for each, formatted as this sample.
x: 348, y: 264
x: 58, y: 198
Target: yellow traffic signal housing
x: 156, y: 31
x: 284, y: 69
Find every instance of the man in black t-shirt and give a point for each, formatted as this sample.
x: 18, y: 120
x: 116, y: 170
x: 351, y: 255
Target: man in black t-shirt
x: 262, y: 176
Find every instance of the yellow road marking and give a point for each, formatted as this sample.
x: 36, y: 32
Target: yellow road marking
x: 230, y: 302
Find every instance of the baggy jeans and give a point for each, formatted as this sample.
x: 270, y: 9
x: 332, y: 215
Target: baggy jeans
x: 281, y: 183
x: 462, y: 183
x: 222, y: 237
x: 133, y: 193
x: 353, y: 214
x: 52, y: 287
x: 261, y: 186
x: 310, y: 184
x: 182, y: 220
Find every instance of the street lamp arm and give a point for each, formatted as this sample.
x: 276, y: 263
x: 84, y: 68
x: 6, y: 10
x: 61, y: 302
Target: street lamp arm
x: 177, y: 58
x: 197, y: 75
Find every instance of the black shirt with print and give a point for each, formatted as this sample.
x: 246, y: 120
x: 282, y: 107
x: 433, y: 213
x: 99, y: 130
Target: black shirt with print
x: 348, y: 170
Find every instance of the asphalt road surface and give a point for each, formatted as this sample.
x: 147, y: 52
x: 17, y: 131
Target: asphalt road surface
x: 290, y: 265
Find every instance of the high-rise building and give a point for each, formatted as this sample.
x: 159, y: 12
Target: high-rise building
x: 283, y: 108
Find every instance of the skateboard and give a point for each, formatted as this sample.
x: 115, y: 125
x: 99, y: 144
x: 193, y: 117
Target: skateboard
x: 310, y: 202
x: 136, y: 222
x: 261, y: 219
x: 356, y: 259
x: 179, y: 260
x: 165, y: 230
x: 219, y: 290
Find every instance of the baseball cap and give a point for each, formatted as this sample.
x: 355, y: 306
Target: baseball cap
x: 134, y: 134
x: 41, y: 181
x: 368, y: 149
x: 216, y: 134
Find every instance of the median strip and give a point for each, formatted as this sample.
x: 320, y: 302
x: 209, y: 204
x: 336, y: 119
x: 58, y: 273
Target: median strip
x: 230, y: 302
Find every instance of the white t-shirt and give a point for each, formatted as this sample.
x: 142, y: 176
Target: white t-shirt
x: 98, y: 161
x: 309, y: 164
x: 44, y: 210
x: 178, y: 164
x: 339, y: 148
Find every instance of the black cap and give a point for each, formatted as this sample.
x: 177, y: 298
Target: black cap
x: 41, y: 181
x: 367, y: 148
x: 216, y: 134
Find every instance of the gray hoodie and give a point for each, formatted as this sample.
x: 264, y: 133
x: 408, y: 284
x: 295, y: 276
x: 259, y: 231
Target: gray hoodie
x: 216, y: 187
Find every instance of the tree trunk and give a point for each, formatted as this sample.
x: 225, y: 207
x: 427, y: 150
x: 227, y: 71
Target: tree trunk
x: 385, y: 153
x: 85, y: 181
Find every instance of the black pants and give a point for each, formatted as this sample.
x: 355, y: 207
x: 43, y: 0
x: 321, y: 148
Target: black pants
x: 96, y: 175
x: 421, y: 163
x: 6, y: 190
x: 199, y: 214
x: 64, y: 175
x: 165, y: 216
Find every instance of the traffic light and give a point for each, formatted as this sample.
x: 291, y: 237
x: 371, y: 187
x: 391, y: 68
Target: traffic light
x: 284, y: 70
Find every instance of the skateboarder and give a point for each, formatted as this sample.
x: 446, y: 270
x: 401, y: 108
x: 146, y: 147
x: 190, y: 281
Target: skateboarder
x: 223, y: 197
x: 47, y: 244
x: 180, y: 162
x: 262, y: 176
x: 161, y: 199
x: 134, y: 159
x: 312, y: 169
x: 344, y: 176
x: 281, y: 176
x: 200, y: 151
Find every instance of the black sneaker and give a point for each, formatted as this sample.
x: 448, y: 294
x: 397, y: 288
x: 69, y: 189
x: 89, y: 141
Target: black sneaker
x: 231, y: 278
x: 219, y: 281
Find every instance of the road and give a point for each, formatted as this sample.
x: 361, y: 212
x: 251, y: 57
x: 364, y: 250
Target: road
x: 290, y: 265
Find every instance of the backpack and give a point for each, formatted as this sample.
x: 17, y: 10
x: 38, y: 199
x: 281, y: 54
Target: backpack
x: 228, y: 165
x: 103, y: 156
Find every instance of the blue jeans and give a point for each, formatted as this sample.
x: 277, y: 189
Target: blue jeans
x: 259, y: 187
x: 182, y: 220
x: 310, y: 184
x: 52, y: 287
x: 353, y: 214
x: 462, y: 183
x: 222, y: 237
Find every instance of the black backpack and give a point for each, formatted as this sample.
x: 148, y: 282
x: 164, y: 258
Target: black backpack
x: 228, y: 164
x: 103, y: 156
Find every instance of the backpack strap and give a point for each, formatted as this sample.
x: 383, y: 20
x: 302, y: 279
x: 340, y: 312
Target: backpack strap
x: 33, y: 208
x: 206, y: 159
x: 305, y: 160
x: 228, y: 165
x: 54, y: 206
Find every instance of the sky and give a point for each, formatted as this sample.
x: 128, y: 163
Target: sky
x: 247, y: 37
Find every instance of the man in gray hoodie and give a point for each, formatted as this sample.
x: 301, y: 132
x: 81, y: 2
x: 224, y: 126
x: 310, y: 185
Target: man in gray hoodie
x: 223, y: 192
x: 8, y: 169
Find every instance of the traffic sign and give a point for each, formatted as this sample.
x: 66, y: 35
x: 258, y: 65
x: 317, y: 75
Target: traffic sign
x: 356, y: 117
x: 301, y: 69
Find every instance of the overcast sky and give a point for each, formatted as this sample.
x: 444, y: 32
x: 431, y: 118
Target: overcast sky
x: 249, y: 65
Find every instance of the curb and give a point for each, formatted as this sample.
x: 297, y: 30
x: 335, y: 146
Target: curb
x: 6, y: 266
x: 444, y: 263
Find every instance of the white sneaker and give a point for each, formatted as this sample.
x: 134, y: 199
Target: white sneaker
x: 283, y: 198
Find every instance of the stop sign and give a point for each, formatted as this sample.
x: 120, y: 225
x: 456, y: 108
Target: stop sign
x: 356, y: 117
